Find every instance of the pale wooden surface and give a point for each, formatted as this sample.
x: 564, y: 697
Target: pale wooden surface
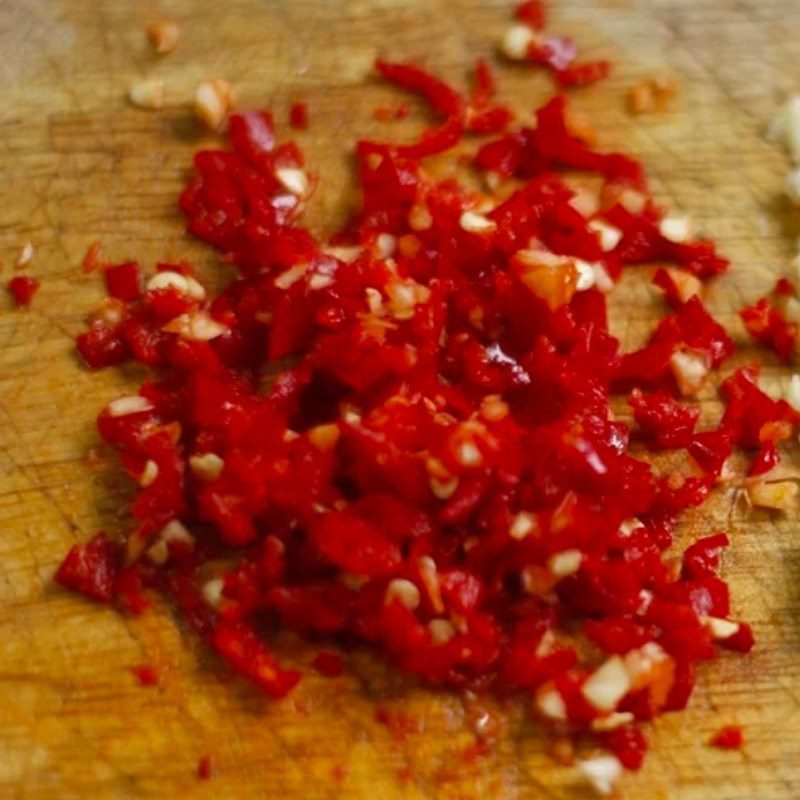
x: 78, y: 164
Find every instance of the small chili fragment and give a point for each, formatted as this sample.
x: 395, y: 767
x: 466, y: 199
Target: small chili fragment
x: 146, y: 674
x: 730, y: 737
x: 532, y: 13
x: 123, y: 281
x: 91, y: 569
x: 298, y: 115
x: 22, y: 289
x: 205, y: 767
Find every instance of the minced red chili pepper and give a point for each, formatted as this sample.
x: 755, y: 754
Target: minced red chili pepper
x: 438, y: 473
x: 526, y: 42
x: 205, y: 767
x: 298, y: 115
x: 22, y: 288
x: 767, y: 323
x: 146, y: 674
x: 532, y: 12
x: 729, y: 737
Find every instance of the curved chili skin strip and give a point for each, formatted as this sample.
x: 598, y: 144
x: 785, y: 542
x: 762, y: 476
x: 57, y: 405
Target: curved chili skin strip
x: 441, y: 97
x: 433, y: 141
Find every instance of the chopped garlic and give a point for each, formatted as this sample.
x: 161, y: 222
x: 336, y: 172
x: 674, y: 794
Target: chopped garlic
x: 25, y: 255
x: 149, y: 474
x: 610, y: 236
x: 441, y: 631
x: 147, y: 94
x: 212, y: 101
x: 516, y: 41
x: 564, y: 564
x: 690, y: 370
x: 628, y: 526
x: 586, y: 275
x: 404, y: 591
x: 164, y: 36
x: 294, y: 180
x: 522, y: 524
x: 607, y: 685
x: 197, y: 326
x: 131, y: 404
x: 793, y: 392
x: 291, y: 276
x: 686, y: 284
x: 206, y: 466
x: 472, y: 222
x: 386, y: 244
x: 167, y: 280
x: 720, y: 628
x: 469, y: 455
x: 602, y: 772
x: 678, y: 229
x: 550, y: 703
x: 781, y: 496
x: 614, y: 720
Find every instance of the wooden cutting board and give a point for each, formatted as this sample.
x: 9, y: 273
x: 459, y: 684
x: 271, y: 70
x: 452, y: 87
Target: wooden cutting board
x: 79, y: 165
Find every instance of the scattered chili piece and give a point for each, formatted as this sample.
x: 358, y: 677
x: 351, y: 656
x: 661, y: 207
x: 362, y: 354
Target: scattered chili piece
x: 298, y: 115
x: 91, y: 569
x: 654, y: 94
x: 147, y: 674
x: 532, y: 12
x: 729, y: 737
x: 583, y: 73
x: 123, y: 281
x: 526, y: 41
x: 22, y: 289
x: 164, y: 36
x: 205, y: 767
x: 91, y: 261
x: 767, y: 323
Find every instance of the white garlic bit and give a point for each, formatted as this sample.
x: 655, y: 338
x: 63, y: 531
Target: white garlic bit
x: 602, y: 772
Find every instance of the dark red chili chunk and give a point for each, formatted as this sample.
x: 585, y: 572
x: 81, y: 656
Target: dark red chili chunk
x: 22, y: 289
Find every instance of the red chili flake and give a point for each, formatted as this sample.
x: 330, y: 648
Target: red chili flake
x: 298, y: 115
x: 123, y: 281
x: 205, y: 767
x: 583, y: 73
x: 339, y: 772
x: 91, y: 569
x: 146, y: 674
x: 664, y: 421
x: 532, y: 12
x: 729, y: 737
x: 22, y: 289
x: 91, y: 261
x: 628, y: 744
x: 769, y: 327
x: 329, y: 664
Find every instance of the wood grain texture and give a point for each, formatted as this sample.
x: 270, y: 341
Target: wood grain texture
x: 78, y: 164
